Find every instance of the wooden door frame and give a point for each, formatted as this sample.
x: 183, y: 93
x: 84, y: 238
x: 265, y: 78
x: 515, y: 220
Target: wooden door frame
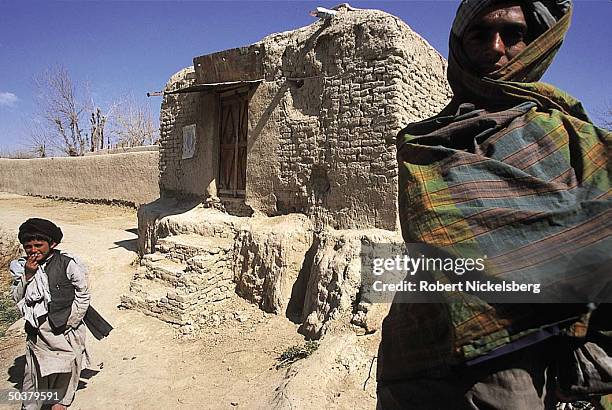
x: 244, y: 95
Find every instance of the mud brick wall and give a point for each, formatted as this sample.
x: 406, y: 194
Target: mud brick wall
x: 126, y: 177
x: 330, y: 138
x: 189, y: 176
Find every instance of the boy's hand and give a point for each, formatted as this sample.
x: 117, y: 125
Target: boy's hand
x: 31, y: 266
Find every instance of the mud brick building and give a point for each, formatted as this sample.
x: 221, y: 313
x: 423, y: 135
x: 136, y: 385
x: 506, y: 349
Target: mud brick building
x: 303, y: 121
x: 295, y: 137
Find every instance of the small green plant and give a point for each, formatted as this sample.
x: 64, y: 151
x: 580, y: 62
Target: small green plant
x: 294, y: 353
x: 8, y: 312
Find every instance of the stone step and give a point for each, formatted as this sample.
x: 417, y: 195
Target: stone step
x: 158, y: 267
x: 195, y: 274
x: 208, y: 265
x: 153, y: 257
x: 177, y: 305
x: 186, y: 246
x: 199, y: 220
x: 150, y: 290
x: 159, y: 300
x: 206, y: 243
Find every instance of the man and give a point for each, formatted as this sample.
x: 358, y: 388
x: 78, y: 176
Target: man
x: 50, y: 289
x: 513, y: 169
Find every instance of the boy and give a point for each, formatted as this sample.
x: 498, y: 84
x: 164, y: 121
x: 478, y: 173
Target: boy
x: 50, y: 289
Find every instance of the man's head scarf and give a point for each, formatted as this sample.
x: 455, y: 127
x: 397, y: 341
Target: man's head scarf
x: 541, y: 14
x: 38, y: 226
x: 548, y: 21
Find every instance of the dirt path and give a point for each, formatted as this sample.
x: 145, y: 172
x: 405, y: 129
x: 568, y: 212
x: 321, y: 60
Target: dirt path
x: 144, y: 365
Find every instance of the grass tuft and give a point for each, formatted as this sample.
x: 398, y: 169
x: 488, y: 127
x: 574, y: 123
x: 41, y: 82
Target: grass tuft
x: 8, y: 312
x: 294, y: 353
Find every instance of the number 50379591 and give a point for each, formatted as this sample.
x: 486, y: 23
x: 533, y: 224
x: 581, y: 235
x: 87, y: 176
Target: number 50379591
x: 42, y: 395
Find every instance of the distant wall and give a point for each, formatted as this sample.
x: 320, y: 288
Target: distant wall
x: 123, y: 150
x: 130, y: 177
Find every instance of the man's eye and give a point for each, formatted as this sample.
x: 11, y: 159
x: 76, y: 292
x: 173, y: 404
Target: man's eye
x: 513, y: 36
x: 478, y: 35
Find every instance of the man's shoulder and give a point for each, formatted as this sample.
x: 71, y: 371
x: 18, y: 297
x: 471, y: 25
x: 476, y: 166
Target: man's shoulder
x: 67, y: 257
x: 63, y: 255
x: 427, y: 125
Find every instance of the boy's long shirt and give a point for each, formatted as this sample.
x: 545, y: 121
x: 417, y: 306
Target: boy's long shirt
x: 32, y: 296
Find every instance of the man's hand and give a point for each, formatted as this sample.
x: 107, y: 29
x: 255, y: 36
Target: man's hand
x: 31, y: 266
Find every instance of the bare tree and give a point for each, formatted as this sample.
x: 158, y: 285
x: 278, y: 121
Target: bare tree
x: 134, y: 124
x: 97, y: 123
x: 39, y: 143
x: 62, y: 107
x: 72, y: 123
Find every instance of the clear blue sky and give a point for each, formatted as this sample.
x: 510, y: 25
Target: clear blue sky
x: 122, y: 47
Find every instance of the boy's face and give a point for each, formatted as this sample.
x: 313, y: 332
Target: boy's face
x: 38, y: 250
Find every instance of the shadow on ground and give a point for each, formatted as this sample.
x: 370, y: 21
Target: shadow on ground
x: 129, y: 244
x: 15, y: 374
x: 86, y: 374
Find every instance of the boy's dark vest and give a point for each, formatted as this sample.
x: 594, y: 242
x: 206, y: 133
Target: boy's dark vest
x: 61, y: 290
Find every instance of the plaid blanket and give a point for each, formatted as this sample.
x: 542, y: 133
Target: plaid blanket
x: 515, y: 169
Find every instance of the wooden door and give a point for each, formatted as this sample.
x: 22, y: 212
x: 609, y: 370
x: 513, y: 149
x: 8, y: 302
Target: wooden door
x: 233, y: 145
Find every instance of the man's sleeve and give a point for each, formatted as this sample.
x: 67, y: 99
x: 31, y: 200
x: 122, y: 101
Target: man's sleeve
x: 19, y: 282
x: 77, y: 274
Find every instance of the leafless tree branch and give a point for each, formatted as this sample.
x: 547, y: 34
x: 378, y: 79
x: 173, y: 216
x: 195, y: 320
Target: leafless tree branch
x: 133, y: 124
x: 61, y: 108
x: 74, y: 123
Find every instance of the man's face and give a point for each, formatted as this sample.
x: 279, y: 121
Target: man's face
x: 495, y: 37
x: 38, y: 249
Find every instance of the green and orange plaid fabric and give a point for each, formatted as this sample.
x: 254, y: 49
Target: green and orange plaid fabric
x: 516, y: 170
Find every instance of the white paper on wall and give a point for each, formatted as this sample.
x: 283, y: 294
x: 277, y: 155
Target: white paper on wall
x: 189, y: 141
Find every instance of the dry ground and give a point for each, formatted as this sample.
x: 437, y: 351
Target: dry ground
x: 143, y: 363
